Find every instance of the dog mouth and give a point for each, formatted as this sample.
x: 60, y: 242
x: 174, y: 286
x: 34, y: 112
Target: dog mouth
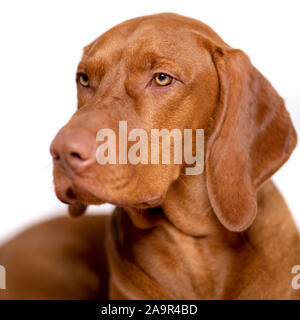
x: 73, y: 193
x: 144, y: 210
x: 70, y: 193
x: 144, y: 214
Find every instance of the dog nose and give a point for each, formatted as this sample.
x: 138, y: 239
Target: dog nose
x: 73, y: 149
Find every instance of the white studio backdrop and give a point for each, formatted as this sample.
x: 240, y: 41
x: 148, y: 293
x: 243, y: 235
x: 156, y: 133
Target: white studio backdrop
x: 41, y: 44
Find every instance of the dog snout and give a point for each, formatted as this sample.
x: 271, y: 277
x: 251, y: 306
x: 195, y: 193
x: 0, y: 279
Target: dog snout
x: 73, y: 150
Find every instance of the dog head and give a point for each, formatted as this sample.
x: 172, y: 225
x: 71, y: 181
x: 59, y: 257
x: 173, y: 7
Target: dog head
x: 170, y: 72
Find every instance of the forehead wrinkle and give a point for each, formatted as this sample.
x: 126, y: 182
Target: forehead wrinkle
x: 159, y: 52
x: 130, y: 41
x: 100, y: 62
x: 163, y: 42
x: 105, y: 51
x: 89, y: 49
x: 122, y: 36
x: 151, y: 60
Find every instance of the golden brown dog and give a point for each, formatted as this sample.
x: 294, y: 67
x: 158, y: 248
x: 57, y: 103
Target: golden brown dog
x: 224, y: 234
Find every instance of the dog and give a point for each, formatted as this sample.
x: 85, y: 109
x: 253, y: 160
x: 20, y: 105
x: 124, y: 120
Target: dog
x: 223, y: 234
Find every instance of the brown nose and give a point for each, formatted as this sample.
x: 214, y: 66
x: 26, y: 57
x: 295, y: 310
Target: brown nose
x: 73, y: 149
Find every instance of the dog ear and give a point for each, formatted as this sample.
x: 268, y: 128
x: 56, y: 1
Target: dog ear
x: 252, y: 137
x: 77, y: 209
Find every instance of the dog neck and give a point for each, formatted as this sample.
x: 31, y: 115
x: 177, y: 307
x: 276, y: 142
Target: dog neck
x: 186, y: 207
x: 186, y: 230
x: 187, y: 242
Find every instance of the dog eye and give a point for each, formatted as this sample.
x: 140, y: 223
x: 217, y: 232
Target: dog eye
x: 84, y: 80
x: 162, y: 79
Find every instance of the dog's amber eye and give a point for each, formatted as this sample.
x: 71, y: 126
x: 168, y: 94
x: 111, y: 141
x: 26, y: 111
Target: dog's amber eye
x: 84, y: 80
x: 162, y: 79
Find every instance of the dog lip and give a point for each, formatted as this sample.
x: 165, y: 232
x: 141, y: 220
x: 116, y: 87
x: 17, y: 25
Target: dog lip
x: 74, y: 191
x: 151, y: 201
x: 67, y: 196
x: 70, y: 194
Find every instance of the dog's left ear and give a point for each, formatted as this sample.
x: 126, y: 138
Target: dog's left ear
x: 252, y: 137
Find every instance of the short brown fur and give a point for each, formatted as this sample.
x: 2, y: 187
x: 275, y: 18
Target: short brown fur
x: 224, y: 234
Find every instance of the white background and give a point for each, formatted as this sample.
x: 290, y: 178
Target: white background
x: 40, y: 46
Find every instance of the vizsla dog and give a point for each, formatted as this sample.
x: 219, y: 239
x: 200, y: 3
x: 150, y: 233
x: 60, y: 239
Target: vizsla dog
x: 223, y: 234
